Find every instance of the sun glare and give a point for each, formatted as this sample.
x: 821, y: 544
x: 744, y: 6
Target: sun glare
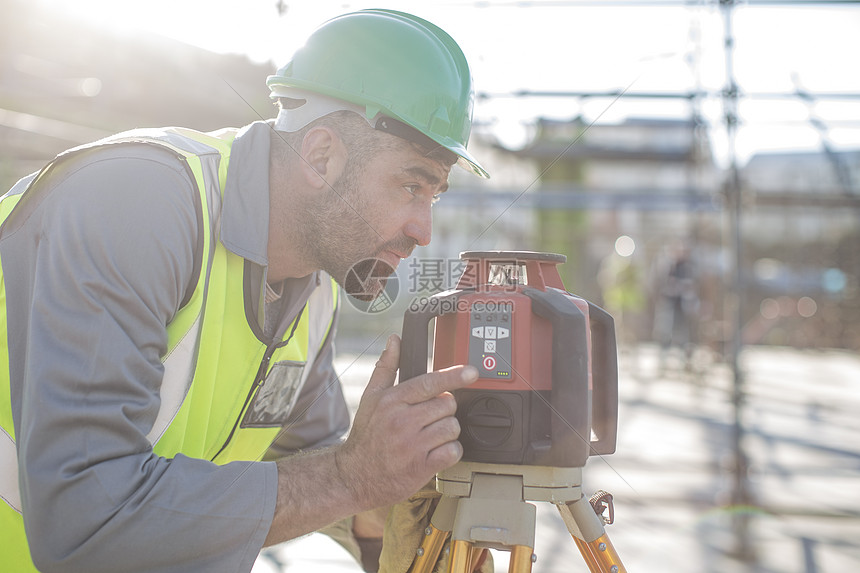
x: 253, y: 27
x: 632, y: 56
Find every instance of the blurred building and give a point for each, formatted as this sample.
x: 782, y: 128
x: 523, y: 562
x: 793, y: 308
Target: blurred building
x: 803, y: 229
x: 575, y: 189
x: 645, y: 178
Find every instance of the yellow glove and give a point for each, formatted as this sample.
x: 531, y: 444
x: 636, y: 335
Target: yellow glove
x: 404, y: 532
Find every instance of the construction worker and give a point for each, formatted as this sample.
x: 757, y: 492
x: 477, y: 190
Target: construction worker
x: 169, y: 306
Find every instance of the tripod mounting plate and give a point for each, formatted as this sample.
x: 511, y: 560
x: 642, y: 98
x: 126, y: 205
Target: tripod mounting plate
x: 540, y: 483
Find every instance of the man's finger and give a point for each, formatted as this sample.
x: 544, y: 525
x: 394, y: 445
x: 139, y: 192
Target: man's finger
x: 385, y: 371
x: 444, y: 456
x: 441, y: 432
x: 430, y: 385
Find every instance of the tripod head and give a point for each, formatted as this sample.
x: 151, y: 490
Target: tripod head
x: 547, y: 393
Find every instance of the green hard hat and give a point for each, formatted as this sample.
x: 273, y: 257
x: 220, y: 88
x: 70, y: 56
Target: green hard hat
x: 393, y: 64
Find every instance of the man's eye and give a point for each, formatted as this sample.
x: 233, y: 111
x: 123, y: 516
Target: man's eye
x: 415, y: 191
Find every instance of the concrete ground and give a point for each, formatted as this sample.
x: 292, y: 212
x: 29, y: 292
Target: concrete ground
x: 672, y: 473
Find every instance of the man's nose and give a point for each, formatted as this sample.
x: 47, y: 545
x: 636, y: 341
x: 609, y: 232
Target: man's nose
x: 419, y: 227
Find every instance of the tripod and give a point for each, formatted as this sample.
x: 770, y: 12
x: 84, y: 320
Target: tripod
x: 484, y: 506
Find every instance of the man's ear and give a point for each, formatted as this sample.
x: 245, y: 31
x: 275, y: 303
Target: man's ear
x: 324, y: 157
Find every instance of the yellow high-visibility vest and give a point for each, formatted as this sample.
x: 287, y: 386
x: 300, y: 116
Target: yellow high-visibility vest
x: 225, y: 392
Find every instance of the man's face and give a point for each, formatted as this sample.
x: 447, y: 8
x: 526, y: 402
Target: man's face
x: 373, y: 216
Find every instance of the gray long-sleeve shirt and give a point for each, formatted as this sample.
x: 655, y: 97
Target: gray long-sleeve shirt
x: 93, y: 275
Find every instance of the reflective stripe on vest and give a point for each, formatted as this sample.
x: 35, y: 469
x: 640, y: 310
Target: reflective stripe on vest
x: 8, y: 453
x: 9, y: 471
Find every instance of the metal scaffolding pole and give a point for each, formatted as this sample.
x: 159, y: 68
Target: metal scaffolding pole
x: 740, y: 494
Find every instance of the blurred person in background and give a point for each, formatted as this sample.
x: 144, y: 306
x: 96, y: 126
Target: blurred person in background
x: 676, y: 306
x: 170, y: 300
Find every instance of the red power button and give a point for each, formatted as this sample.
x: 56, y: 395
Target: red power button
x: 489, y: 363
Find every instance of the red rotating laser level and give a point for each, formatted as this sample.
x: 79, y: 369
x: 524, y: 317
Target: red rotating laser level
x: 545, y: 400
x: 547, y: 392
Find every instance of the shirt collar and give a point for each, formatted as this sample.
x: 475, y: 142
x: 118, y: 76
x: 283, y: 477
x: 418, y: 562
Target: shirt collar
x: 245, y: 215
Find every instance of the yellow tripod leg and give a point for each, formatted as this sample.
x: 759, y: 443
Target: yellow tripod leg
x: 521, y: 559
x: 461, y: 556
x: 585, y: 550
x: 584, y: 523
x: 427, y: 555
x: 600, y: 555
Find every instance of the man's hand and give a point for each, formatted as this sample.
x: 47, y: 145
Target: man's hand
x: 401, y: 437
x: 404, y: 434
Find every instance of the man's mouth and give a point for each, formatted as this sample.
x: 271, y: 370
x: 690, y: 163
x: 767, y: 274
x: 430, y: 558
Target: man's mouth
x: 391, y: 258
x: 394, y: 251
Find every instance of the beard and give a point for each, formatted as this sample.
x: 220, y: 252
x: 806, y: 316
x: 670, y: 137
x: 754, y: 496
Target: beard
x: 367, y: 278
x: 340, y: 237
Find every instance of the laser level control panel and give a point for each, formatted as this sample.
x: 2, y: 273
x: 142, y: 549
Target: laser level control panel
x: 490, y: 341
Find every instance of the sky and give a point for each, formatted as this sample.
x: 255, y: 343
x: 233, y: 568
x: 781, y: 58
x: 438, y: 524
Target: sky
x: 581, y: 46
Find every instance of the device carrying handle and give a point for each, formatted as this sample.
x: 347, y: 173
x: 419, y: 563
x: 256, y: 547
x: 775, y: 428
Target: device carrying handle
x: 414, y: 338
x: 604, y: 376
x: 571, y: 399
